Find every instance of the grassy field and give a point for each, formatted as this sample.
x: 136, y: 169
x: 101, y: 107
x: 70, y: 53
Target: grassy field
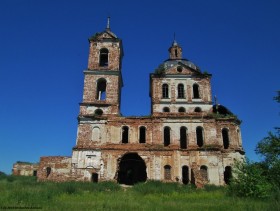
x: 25, y: 192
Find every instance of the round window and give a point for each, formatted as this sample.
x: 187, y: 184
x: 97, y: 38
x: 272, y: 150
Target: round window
x: 179, y: 69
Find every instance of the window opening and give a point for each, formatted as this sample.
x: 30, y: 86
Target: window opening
x: 166, y: 136
x: 182, y: 110
x: 181, y: 92
x: 197, y: 109
x: 199, y: 136
x: 183, y: 138
x: 227, y: 174
x: 125, y: 135
x: 103, y: 57
x: 196, y: 91
x: 185, y: 175
x: 101, y: 89
x: 179, y: 69
x: 225, y: 138
x: 48, y: 171
x: 142, y: 136
x: 204, y: 173
x: 167, y: 172
x: 98, y: 112
x: 192, y: 177
x: 35, y: 173
x: 166, y: 109
x: 165, y: 91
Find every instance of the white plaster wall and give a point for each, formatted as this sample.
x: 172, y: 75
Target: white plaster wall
x: 87, y: 159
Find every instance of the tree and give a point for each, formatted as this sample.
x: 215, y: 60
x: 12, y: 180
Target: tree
x: 269, y: 148
x: 249, y: 180
x: 277, y: 98
x: 259, y: 179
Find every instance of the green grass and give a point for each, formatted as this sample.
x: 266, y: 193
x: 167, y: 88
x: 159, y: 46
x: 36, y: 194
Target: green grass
x: 153, y: 195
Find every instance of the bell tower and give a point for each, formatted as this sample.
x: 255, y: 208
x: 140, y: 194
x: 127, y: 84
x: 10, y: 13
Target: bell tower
x: 178, y: 87
x: 103, y: 78
x: 175, y: 51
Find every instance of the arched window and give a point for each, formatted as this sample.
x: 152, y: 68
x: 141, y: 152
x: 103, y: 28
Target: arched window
x: 166, y: 136
x: 227, y: 174
x: 142, y: 134
x: 101, y: 89
x: 167, y: 172
x: 48, y: 171
x: 225, y: 138
x: 196, y: 91
x: 197, y: 109
x: 98, y: 112
x: 125, y: 134
x: 183, y: 138
x: 95, y: 136
x: 185, y: 175
x: 204, y: 173
x: 165, y: 91
x: 166, y: 109
x: 199, y: 136
x: 239, y: 137
x: 181, y: 91
x: 103, y: 57
x: 182, y: 110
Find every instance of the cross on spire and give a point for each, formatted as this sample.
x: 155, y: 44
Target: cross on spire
x: 108, y: 24
x: 174, y: 40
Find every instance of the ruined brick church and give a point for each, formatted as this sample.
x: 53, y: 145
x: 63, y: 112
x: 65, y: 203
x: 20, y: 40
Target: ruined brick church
x: 186, y: 139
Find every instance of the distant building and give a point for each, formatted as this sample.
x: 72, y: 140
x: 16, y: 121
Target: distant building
x: 186, y: 138
x: 25, y: 169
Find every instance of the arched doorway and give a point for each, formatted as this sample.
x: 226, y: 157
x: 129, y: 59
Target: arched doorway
x: 132, y: 169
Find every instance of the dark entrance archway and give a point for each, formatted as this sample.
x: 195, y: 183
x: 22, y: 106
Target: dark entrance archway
x: 132, y: 169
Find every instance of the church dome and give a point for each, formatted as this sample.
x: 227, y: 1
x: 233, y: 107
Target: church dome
x: 220, y: 109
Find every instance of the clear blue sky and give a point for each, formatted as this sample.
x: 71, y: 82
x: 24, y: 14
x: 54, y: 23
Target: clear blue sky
x: 44, y: 50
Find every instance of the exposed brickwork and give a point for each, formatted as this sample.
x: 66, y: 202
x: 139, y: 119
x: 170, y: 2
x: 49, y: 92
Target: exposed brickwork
x: 60, y: 167
x: 105, y: 138
x: 25, y: 169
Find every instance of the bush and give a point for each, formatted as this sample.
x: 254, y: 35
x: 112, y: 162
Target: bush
x: 249, y: 181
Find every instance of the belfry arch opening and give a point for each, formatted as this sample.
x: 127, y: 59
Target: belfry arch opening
x: 225, y: 138
x: 101, y: 89
x: 165, y: 91
x: 196, y: 91
x: 132, y: 169
x: 103, y: 57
